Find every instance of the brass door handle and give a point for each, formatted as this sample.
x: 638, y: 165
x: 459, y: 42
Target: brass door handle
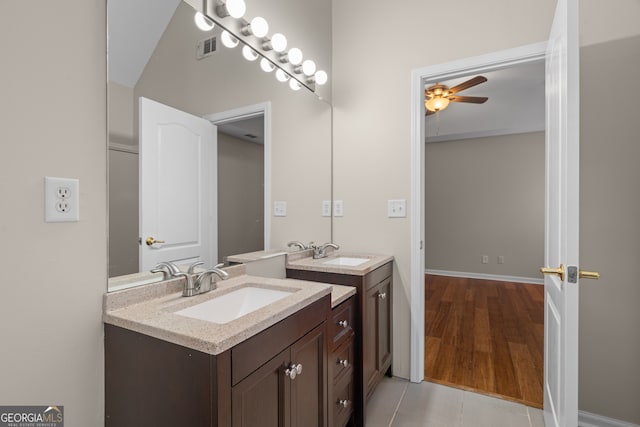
x: 589, y: 275
x: 559, y: 271
x: 151, y: 241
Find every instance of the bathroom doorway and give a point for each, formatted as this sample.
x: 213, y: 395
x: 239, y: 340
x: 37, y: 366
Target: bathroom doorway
x: 484, y: 218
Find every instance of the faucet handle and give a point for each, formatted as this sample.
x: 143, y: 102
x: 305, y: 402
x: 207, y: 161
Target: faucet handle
x: 166, y: 274
x: 221, y: 273
x: 173, y: 269
x: 193, y: 266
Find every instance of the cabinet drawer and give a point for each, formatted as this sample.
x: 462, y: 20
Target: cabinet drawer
x: 341, y: 326
x: 342, y: 403
x: 341, y: 361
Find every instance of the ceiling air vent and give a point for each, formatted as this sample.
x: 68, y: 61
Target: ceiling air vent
x: 206, y: 47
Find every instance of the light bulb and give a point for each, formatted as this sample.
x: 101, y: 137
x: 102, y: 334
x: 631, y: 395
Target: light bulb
x: 249, y: 54
x: 259, y: 26
x: 295, y: 56
x: 278, y: 42
x: 321, y: 77
x: 281, y: 76
x: 228, y: 40
x: 236, y: 8
x: 436, y: 104
x: 202, y: 22
x: 308, y: 67
x: 266, y: 65
x: 294, y: 85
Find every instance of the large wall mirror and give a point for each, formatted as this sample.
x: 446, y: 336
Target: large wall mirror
x: 271, y: 143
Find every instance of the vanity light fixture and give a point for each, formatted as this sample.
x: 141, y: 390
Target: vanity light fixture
x: 253, y: 34
x: 202, y: 22
x: 249, y: 54
x: 228, y: 40
x: 281, y: 76
x: 234, y: 8
x: 258, y: 27
x: 266, y: 65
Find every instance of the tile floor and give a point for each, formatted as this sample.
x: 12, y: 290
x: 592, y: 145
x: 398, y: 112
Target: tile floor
x: 399, y: 403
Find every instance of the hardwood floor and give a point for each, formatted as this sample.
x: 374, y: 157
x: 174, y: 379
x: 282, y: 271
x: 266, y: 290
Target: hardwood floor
x: 485, y: 336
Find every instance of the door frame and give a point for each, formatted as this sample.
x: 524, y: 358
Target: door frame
x: 450, y: 70
x: 247, y: 112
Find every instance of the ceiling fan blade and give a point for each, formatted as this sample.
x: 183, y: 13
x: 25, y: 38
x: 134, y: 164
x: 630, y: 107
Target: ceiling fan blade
x: 471, y: 99
x: 429, y: 112
x: 469, y: 83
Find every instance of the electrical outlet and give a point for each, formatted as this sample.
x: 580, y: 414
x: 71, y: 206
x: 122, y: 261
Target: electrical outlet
x: 326, y: 208
x: 279, y: 208
x: 338, y: 208
x: 396, y: 208
x: 500, y: 259
x: 485, y: 259
x: 61, y: 199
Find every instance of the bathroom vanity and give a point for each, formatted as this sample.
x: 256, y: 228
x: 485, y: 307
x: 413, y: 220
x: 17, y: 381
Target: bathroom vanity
x: 369, y: 315
x: 265, y: 368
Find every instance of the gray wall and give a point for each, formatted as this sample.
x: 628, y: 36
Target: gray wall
x: 610, y: 229
x: 53, y: 109
x: 241, y: 205
x: 485, y: 196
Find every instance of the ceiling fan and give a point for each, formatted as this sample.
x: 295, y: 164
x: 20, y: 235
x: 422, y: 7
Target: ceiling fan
x: 437, y: 97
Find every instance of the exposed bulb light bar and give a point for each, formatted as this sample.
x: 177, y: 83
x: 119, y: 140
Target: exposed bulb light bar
x: 249, y: 54
x: 308, y: 67
x: 294, y: 85
x: 281, y: 76
x: 321, y: 77
x: 202, y: 22
x: 228, y: 40
x: 266, y: 65
x: 294, y: 56
x: 258, y: 27
x: 234, y: 8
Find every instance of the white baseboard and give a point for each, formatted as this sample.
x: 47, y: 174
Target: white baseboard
x: 587, y: 419
x: 498, y: 277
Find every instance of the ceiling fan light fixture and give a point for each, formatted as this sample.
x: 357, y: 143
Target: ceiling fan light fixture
x: 436, y: 103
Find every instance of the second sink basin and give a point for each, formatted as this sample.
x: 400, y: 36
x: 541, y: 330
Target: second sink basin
x: 347, y: 261
x: 232, y: 305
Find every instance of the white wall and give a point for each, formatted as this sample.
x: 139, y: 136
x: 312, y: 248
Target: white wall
x: 485, y: 196
x: 53, y: 109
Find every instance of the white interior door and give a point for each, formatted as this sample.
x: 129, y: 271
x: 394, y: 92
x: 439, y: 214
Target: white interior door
x: 178, y: 186
x: 561, y: 219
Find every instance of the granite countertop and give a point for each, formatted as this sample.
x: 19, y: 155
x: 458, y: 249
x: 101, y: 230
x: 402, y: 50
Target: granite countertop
x: 150, y: 310
x: 340, y: 294
x: 297, y: 262
x: 254, y: 256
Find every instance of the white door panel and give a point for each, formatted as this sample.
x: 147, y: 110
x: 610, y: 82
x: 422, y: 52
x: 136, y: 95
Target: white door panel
x: 178, y: 187
x: 561, y: 218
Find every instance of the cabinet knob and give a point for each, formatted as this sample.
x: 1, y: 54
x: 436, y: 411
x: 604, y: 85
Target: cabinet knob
x: 343, y: 362
x: 343, y: 323
x: 343, y: 402
x: 293, y: 371
x: 382, y: 295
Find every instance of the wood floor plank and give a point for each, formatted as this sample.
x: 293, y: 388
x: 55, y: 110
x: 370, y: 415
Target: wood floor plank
x: 485, y: 336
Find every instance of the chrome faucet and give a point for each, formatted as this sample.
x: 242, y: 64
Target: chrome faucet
x: 299, y: 245
x: 321, y: 251
x: 199, y: 284
x: 168, y: 269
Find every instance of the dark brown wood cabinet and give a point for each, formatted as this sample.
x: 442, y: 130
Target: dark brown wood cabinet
x: 340, y: 366
x: 372, y: 314
x: 151, y: 382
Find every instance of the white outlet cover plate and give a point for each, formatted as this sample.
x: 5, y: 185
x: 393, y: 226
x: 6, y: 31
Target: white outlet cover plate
x: 326, y: 208
x: 61, y: 199
x: 397, y: 208
x: 279, y: 208
x: 338, y: 208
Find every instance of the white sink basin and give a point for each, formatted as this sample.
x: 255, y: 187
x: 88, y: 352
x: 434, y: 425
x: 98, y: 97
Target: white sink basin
x: 346, y: 261
x: 232, y: 305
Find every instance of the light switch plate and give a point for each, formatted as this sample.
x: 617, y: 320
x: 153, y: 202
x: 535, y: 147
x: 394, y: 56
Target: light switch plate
x: 279, y: 208
x: 61, y: 199
x: 397, y: 208
x: 338, y: 208
x: 326, y: 208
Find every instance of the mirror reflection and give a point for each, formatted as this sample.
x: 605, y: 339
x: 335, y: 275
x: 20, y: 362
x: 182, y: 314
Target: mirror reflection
x: 269, y: 142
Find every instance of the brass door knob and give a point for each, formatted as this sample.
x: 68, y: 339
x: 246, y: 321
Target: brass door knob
x: 559, y: 271
x: 589, y: 275
x: 151, y: 241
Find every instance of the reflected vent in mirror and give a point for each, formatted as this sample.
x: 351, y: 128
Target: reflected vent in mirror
x: 205, y: 47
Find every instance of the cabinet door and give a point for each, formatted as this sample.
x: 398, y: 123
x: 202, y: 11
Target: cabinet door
x: 370, y: 340
x: 308, y: 388
x: 262, y: 399
x: 384, y: 325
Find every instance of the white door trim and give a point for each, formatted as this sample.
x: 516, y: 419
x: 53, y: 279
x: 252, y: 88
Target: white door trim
x: 450, y: 70
x: 247, y: 112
